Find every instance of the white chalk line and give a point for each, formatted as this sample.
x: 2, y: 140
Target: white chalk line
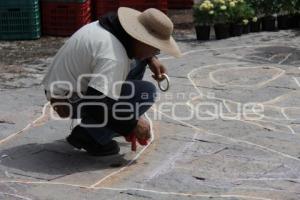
x: 286, y: 58
x: 133, y: 160
x: 296, y: 80
x: 261, y: 189
x: 225, y: 48
x: 169, y: 163
x: 254, y: 122
x: 139, y: 154
x: 15, y: 195
x: 291, y: 130
x: 31, y: 124
x: 163, y: 58
x: 93, y: 186
x: 145, y: 190
x: 28, y: 126
x: 258, y: 85
x: 232, y: 139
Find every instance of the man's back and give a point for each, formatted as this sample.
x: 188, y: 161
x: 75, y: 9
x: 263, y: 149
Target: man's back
x: 91, y: 50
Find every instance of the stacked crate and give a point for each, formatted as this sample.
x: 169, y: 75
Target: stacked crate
x: 180, y: 4
x: 101, y: 7
x: 64, y: 17
x: 19, y: 20
x: 142, y: 5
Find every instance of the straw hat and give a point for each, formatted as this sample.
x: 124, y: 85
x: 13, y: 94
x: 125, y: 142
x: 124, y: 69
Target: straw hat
x: 152, y: 27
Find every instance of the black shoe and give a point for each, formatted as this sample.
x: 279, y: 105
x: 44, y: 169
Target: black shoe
x: 82, y: 140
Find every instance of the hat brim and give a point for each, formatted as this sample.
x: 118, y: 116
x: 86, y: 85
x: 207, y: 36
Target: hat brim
x: 129, y: 20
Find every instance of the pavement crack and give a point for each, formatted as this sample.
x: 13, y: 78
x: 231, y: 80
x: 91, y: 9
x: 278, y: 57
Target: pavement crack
x: 268, y: 129
x: 292, y: 181
x: 6, y: 122
x: 136, y: 195
x: 183, y: 77
x: 212, y: 88
x: 199, y: 178
x: 174, y: 123
x: 281, y: 87
x: 29, y: 176
x: 206, y: 141
x: 295, y: 122
x: 223, y: 149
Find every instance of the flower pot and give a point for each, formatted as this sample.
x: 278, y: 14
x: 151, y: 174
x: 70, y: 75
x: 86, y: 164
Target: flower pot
x: 246, y: 29
x: 202, y: 32
x: 295, y: 21
x: 283, y: 22
x: 222, y: 31
x: 255, y: 26
x: 268, y: 23
x: 236, y: 30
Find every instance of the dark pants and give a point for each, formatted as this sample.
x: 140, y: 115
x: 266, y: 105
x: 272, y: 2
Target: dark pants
x: 129, y: 108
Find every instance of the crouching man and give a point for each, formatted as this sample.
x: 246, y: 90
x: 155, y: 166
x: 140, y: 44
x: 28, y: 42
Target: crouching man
x: 97, y: 75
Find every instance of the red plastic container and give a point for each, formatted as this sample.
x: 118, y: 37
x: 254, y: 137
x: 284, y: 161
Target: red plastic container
x: 180, y: 4
x: 101, y: 7
x: 64, y: 18
x: 145, y: 4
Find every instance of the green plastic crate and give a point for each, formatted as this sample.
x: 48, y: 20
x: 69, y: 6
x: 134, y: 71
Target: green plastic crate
x: 64, y: 1
x: 22, y: 36
x: 20, y: 22
x: 18, y: 3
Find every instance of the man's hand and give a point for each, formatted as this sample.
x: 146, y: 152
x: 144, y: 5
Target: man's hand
x: 142, y: 130
x: 157, y: 68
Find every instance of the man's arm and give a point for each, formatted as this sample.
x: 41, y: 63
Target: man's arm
x: 157, y: 68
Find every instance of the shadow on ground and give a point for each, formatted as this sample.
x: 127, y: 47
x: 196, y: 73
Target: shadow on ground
x: 56, y: 158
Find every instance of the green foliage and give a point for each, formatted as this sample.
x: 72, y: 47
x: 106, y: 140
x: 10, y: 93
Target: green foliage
x: 204, y: 13
x: 270, y: 7
x: 256, y: 5
x: 240, y: 12
x: 297, y: 6
x: 287, y: 6
x: 222, y: 14
x: 209, y: 12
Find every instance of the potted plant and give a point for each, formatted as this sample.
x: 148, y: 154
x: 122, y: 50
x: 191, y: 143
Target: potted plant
x: 221, y: 19
x: 236, y: 16
x: 295, y: 18
x: 269, y: 8
x: 286, y: 10
x: 249, y: 13
x: 255, y: 24
x: 246, y: 26
x: 239, y: 14
x: 203, y: 19
x: 255, y: 21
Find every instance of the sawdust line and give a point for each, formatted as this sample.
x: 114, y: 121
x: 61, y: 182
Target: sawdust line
x: 167, y: 166
x: 296, y: 80
x: 28, y: 126
x: 145, y: 190
x: 224, y: 48
x: 232, y: 139
x: 221, y: 99
x: 235, y: 140
x: 132, y: 161
x: 15, y: 195
x: 152, y: 138
x: 272, y: 57
x: 286, y: 58
x: 248, y: 86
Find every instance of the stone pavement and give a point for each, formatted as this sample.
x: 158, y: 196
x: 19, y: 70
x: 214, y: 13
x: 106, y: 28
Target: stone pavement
x: 204, y: 143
